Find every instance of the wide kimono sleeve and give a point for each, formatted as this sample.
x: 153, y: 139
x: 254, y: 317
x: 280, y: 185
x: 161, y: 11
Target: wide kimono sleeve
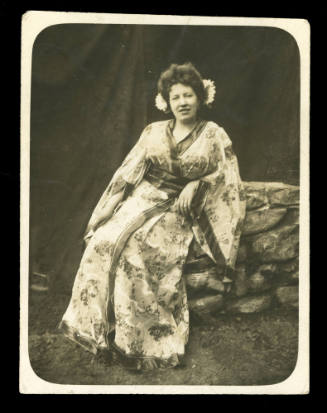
x: 220, y: 209
x: 128, y: 175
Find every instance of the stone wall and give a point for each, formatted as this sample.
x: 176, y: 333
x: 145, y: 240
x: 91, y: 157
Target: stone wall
x: 267, y: 271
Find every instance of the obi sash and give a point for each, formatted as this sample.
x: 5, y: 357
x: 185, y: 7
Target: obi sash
x: 165, y: 181
x: 173, y: 184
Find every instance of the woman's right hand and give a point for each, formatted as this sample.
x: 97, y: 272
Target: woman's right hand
x: 91, y: 227
x: 103, y: 216
x: 88, y: 234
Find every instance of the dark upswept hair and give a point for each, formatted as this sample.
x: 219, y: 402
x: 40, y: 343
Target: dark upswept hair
x: 185, y: 74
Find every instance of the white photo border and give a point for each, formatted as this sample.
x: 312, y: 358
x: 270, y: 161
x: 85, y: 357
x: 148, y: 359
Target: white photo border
x: 33, y: 22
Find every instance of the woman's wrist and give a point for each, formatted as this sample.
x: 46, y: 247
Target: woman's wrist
x: 103, y: 215
x: 89, y: 234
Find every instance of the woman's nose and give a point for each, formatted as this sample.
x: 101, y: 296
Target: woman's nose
x: 182, y: 100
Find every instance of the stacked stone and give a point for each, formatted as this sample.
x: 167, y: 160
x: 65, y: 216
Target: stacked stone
x: 267, y: 268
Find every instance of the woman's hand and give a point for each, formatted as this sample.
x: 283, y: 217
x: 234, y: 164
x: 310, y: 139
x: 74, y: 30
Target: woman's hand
x: 103, y: 216
x: 90, y: 228
x: 88, y: 234
x: 87, y: 240
x: 185, y: 199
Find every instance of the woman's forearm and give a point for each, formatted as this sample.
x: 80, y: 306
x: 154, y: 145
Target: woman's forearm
x: 108, y: 210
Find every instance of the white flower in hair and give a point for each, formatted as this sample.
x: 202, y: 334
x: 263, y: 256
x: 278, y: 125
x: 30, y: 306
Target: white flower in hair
x: 161, y: 104
x: 210, y: 89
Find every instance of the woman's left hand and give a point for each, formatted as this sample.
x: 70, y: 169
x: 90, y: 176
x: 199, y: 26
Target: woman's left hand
x: 185, y: 199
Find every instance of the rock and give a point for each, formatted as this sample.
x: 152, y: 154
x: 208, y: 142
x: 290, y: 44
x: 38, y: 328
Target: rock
x: 256, y: 195
x: 206, y: 305
x: 262, y: 219
x: 240, y: 285
x: 280, y: 194
x: 204, y: 281
x: 254, y: 304
x: 258, y: 282
x: 292, y: 216
x: 280, y: 244
x: 288, y: 279
x: 274, y: 194
x: 288, y: 296
x: 268, y: 269
x: 289, y: 266
x: 288, y: 272
x: 294, y: 277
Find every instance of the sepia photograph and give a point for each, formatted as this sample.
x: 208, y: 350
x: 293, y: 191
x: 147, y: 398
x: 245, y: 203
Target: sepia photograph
x: 164, y: 204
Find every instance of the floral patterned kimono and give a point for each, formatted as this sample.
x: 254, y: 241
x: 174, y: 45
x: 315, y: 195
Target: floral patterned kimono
x: 130, y: 279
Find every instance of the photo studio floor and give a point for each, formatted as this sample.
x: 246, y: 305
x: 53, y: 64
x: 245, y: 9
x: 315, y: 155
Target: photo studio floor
x: 253, y: 349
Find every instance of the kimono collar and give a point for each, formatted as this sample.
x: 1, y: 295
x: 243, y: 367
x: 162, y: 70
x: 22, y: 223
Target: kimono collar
x: 180, y: 147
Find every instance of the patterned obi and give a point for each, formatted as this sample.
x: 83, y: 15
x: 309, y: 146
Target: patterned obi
x: 166, y: 181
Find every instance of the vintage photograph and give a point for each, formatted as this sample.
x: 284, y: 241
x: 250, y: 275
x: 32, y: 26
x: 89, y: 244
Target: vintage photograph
x: 163, y: 186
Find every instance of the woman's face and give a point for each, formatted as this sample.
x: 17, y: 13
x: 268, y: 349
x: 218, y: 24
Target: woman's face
x: 184, y: 103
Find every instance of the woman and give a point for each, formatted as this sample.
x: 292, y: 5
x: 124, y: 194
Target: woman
x: 180, y: 182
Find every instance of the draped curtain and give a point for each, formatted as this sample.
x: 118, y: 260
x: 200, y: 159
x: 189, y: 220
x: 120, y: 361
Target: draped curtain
x: 93, y: 90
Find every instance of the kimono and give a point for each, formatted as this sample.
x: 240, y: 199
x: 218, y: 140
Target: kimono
x: 130, y: 280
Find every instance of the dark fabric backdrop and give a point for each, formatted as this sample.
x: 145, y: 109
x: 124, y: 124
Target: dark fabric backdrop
x: 93, y: 90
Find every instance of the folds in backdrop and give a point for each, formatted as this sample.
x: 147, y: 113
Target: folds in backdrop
x: 93, y: 90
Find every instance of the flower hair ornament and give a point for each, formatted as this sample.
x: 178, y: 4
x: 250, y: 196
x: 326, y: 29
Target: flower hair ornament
x: 210, y: 90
